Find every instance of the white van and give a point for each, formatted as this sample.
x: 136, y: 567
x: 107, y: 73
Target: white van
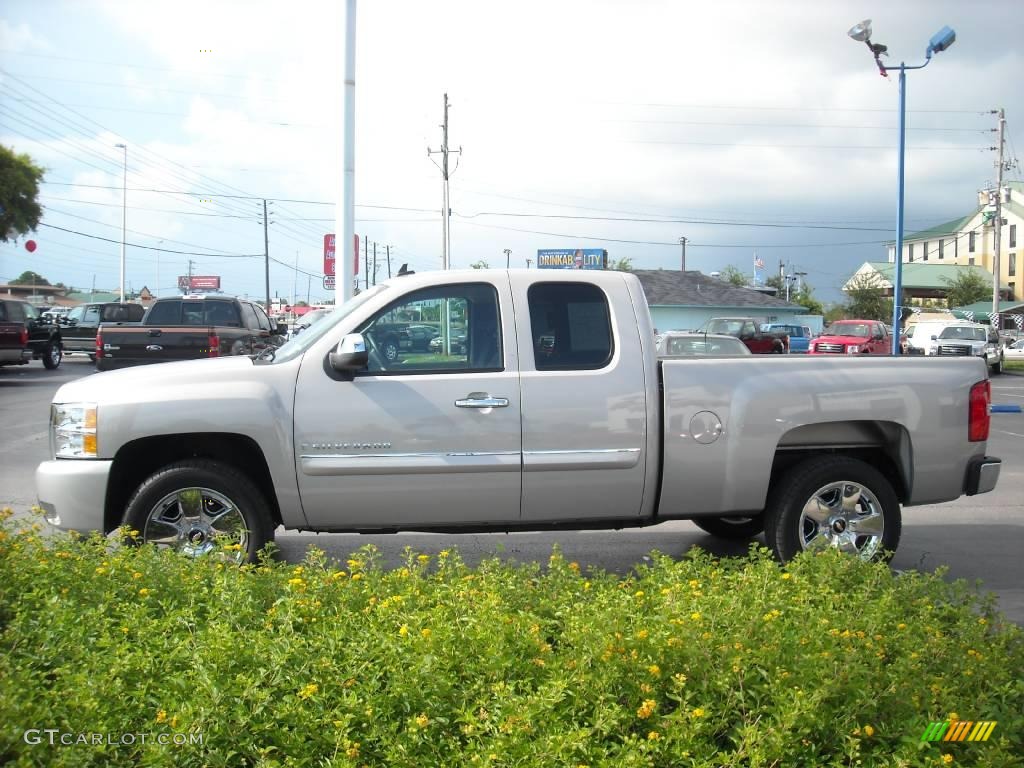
x: 920, y: 336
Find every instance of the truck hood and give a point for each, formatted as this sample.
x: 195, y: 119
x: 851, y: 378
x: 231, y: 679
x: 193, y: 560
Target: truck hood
x: 113, y: 386
x: 841, y: 340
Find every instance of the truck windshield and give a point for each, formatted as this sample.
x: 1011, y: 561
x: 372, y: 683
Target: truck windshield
x: 297, y: 346
x: 861, y: 330
x: 726, y: 327
x: 964, y: 333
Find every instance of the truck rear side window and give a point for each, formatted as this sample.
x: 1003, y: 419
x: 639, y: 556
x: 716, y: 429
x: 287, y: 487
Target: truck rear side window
x: 570, y: 326
x: 165, y: 313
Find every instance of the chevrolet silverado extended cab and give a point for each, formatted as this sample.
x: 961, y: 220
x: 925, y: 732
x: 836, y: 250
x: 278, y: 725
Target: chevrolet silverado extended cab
x: 554, y: 413
x: 186, y: 328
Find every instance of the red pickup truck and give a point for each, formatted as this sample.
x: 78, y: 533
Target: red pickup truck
x: 747, y: 330
x: 853, y: 337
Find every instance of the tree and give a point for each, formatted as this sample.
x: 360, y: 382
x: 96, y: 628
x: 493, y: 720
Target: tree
x: 776, y: 282
x: 30, y: 278
x: 866, y: 299
x: 480, y: 265
x: 625, y: 264
x: 733, y: 276
x: 19, y: 194
x: 967, y: 288
x: 805, y: 298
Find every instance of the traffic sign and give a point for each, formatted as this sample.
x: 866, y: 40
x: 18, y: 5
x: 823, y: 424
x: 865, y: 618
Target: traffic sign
x: 329, y: 282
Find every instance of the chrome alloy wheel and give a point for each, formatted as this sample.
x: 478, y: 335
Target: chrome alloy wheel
x: 197, y: 521
x: 844, y: 515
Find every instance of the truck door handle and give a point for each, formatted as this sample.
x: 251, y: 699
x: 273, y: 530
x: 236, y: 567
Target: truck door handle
x: 481, y: 400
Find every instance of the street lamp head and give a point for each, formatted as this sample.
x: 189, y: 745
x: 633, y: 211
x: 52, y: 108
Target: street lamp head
x: 861, y: 32
x: 941, y: 40
x: 121, y: 146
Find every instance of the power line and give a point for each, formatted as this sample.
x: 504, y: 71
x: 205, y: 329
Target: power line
x: 790, y: 125
x: 152, y: 248
x: 708, y: 222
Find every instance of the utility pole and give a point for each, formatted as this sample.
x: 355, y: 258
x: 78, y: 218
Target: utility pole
x: 266, y: 253
x: 446, y: 210
x: 508, y: 257
x: 375, y: 263
x: 528, y: 263
x: 682, y: 242
x: 366, y: 262
x: 388, y: 249
x: 996, y: 239
x: 309, y: 282
x: 188, y: 288
x: 295, y: 280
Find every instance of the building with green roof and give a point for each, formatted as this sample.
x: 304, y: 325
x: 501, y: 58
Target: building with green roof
x: 920, y: 280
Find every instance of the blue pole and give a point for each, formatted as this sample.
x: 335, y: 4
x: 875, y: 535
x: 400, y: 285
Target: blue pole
x: 897, y: 289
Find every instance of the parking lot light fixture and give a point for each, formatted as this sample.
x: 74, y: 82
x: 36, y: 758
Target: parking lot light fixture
x: 939, y: 42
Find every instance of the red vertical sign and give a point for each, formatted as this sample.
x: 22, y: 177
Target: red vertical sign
x: 329, y: 255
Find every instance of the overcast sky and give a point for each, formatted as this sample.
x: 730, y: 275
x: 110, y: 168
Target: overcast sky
x: 580, y: 118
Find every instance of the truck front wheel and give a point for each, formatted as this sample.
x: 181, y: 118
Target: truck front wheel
x: 833, y: 502
x: 53, y: 353
x: 736, y: 528
x: 199, y: 508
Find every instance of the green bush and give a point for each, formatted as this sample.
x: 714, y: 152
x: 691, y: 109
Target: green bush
x: 703, y: 662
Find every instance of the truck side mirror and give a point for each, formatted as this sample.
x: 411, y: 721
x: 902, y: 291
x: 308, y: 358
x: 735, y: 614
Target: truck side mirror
x: 934, y: 337
x: 282, y: 329
x: 350, y: 355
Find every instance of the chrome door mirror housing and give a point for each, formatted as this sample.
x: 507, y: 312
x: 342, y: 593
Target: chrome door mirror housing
x: 350, y: 355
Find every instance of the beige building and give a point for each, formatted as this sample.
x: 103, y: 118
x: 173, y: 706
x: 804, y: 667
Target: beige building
x: 969, y: 241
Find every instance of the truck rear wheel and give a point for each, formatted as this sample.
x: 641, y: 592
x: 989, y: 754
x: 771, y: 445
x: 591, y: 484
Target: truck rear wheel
x: 833, y: 501
x: 736, y: 527
x: 201, y: 508
x: 53, y: 353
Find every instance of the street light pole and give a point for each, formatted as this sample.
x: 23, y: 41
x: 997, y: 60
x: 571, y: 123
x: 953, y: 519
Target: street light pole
x: 157, y: 293
x: 124, y: 212
x: 940, y: 41
x: 508, y: 257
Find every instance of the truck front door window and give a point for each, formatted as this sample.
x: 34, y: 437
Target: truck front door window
x: 447, y: 329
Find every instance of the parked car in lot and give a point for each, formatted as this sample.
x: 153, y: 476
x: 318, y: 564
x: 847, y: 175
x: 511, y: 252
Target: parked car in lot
x: 186, y: 328
x: 853, y: 337
x: 80, y: 325
x: 964, y: 339
x: 308, y: 319
x: 25, y: 336
x: 457, y: 343
x: 799, y: 335
x: 1015, y: 351
x: 749, y: 332
x: 676, y: 344
x: 420, y: 336
x: 559, y: 414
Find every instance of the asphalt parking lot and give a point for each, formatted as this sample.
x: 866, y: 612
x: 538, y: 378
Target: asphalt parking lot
x: 978, y: 538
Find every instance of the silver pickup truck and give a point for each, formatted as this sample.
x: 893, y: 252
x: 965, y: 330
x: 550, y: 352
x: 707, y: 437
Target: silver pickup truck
x: 540, y: 404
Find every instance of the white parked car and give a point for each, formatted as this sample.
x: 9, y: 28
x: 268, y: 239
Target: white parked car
x: 1015, y: 351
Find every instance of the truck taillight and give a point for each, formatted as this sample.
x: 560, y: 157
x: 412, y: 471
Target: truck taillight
x: 23, y: 337
x: 978, y: 418
x: 99, y: 344
x: 214, y: 345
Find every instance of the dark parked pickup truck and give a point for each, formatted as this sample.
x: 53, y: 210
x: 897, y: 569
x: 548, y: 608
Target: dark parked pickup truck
x: 79, y: 326
x: 749, y: 332
x: 25, y: 336
x: 187, y: 328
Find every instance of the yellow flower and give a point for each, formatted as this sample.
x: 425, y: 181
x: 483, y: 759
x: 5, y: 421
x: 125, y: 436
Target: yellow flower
x: 638, y: 593
x: 422, y: 720
x: 642, y: 634
x: 338, y: 575
x: 653, y: 736
x: 174, y: 722
x: 869, y: 731
x: 698, y: 712
x: 308, y: 690
x: 356, y: 576
x: 646, y: 709
x: 403, y: 630
x: 296, y: 582
x: 655, y: 670
x: 161, y: 716
x: 695, y: 616
x: 679, y: 679
x: 787, y: 576
x: 101, y: 570
x: 352, y: 749
x: 425, y: 633
x: 574, y: 567
x: 423, y: 559
x: 953, y: 716
x: 947, y: 758
x: 144, y: 592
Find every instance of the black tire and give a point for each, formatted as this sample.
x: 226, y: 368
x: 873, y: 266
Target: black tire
x: 390, y: 349
x: 207, y: 483
x: 53, y: 353
x: 996, y: 369
x: 735, y: 528
x: 788, y: 531
x: 92, y: 358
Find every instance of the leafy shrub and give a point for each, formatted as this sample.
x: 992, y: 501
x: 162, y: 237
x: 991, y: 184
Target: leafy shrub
x: 704, y: 662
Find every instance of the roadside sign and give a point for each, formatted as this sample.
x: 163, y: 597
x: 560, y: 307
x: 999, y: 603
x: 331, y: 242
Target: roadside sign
x: 329, y: 282
x: 329, y: 258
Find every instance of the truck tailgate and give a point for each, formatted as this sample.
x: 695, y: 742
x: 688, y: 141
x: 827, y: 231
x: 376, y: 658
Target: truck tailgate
x: 146, y: 344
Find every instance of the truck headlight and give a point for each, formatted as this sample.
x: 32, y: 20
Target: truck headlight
x: 852, y: 349
x: 73, y: 430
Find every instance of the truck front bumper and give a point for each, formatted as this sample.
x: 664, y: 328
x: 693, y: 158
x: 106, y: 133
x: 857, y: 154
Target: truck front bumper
x: 982, y: 475
x: 73, y: 492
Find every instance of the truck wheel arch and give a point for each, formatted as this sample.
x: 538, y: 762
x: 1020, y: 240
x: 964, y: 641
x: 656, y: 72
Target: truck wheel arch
x: 137, y: 460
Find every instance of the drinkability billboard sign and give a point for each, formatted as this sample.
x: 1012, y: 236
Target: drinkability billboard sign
x: 572, y: 258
